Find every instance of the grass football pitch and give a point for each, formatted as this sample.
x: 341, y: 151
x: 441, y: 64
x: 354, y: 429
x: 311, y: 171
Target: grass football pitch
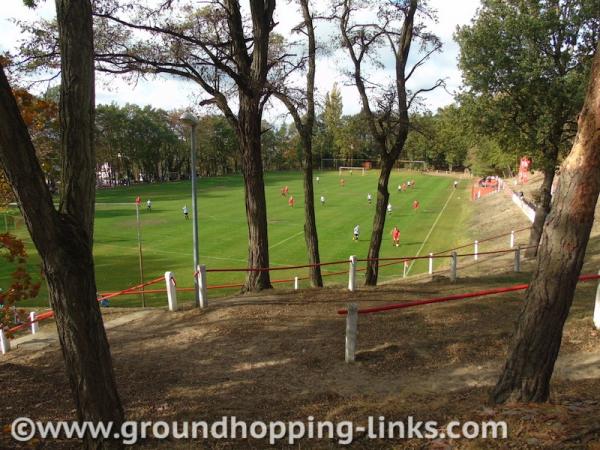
x: 167, y: 236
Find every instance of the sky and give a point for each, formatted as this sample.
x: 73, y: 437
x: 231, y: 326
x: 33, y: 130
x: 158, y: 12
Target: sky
x: 170, y: 93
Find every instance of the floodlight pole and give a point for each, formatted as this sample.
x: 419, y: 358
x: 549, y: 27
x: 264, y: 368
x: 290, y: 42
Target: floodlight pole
x: 192, y: 121
x: 141, y: 258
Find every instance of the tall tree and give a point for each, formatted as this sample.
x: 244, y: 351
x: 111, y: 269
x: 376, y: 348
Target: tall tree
x: 227, y: 53
x: 64, y: 237
x: 332, y: 119
x: 305, y: 127
x: 389, y: 121
x: 530, y: 60
x: 526, y: 375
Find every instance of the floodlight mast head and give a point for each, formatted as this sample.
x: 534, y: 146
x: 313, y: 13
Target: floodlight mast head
x: 189, y: 119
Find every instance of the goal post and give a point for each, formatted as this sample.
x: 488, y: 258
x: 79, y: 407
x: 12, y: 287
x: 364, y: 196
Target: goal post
x: 406, y: 164
x: 351, y: 169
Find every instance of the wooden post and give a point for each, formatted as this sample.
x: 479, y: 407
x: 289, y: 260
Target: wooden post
x: 351, y: 332
x: 171, y: 291
x: 518, y: 258
x: 431, y: 264
x: 453, y: 266
x: 201, y: 274
x: 34, y: 324
x: 476, y: 250
x: 352, y: 274
x: 4, y: 343
x: 296, y: 283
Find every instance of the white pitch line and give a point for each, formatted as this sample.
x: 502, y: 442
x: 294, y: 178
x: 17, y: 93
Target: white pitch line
x: 431, y: 230
x: 286, y: 239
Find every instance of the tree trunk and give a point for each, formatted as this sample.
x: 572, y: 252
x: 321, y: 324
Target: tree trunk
x: 69, y: 269
x: 543, y: 208
x: 249, y: 132
x: 310, y: 222
x: 526, y: 375
x: 383, y: 197
x: 64, y: 238
x: 306, y: 131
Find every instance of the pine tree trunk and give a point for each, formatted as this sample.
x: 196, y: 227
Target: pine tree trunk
x: 310, y: 222
x: 249, y: 134
x: 526, y: 375
x: 541, y: 211
x: 383, y: 197
x: 64, y: 238
x: 69, y: 268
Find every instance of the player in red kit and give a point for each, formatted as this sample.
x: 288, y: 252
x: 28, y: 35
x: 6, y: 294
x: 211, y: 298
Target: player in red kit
x: 396, y: 237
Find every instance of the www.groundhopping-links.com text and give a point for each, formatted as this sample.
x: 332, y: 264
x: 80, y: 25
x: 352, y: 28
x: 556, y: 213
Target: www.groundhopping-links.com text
x: 24, y: 429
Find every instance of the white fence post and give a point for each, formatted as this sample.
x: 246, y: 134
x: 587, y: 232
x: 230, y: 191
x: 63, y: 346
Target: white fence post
x: 4, y: 343
x: 351, y: 331
x: 296, y: 283
x: 597, y: 307
x: 171, y: 291
x: 431, y: 264
x: 453, y: 266
x: 34, y: 324
x: 201, y: 274
x: 352, y: 274
x: 518, y: 258
x: 512, y: 239
x: 405, y: 269
x: 476, y: 252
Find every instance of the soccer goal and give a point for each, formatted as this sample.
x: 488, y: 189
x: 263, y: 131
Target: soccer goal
x: 405, y: 164
x: 351, y: 170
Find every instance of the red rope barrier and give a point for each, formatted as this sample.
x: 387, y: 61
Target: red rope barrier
x: 435, y: 256
x: 518, y: 287
x: 133, y: 288
x: 267, y: 269
x: 42, y: 316
x: 49, y: 314
x: 397, y: 258
x: 493, y: 252
x: 138, y: 292
x: 483, y: 240
x: 225, y: 286
x: 334, y: 273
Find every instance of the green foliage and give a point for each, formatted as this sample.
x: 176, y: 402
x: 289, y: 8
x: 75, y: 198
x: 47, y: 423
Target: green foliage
x: 332, y: 120
x: 442, y: 139
x: 281, y: 147
x: 218, y: 152
x: 524, y: 65
x: 136, y: 141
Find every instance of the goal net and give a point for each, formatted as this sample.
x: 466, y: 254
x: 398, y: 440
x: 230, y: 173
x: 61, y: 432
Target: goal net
x: 405, y: 164
x: 351, y: 170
